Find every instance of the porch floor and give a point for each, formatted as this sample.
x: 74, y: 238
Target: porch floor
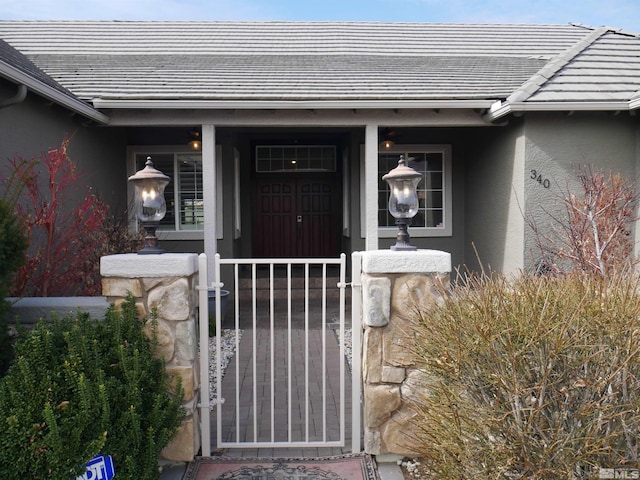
x: 260, y: 339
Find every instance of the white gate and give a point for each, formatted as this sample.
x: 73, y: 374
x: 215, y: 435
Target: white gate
x: 287, y: 385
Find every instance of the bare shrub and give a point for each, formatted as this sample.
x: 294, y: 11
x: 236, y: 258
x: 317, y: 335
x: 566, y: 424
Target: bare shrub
x: 594, y: 234
x: 537, y: 377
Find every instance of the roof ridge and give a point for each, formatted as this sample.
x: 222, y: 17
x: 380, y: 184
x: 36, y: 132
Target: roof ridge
x: 274, y: 21
x: 543, y: 75
x: 621, y: 31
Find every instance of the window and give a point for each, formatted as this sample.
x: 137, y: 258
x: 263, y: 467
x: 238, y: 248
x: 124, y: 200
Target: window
x: 295, y: 158
x: 184, y: 194
x: 434, y: 217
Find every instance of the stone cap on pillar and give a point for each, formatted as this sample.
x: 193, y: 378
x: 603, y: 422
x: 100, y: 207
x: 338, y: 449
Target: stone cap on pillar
x: 417, y: 261
x: 132, y: 265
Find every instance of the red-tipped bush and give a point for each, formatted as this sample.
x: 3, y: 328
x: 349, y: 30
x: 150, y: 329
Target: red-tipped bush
x: 63, y: 233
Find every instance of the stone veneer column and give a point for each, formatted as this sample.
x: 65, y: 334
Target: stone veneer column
x: 393, y: 285
x: 167, y: 283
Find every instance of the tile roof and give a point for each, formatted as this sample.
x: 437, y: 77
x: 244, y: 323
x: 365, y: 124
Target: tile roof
x: 606, y: 70
x: 21, y: 70
x: 9, y: 56
x: 287, y: 38
x: 337, y: 61
x: 299, y: 77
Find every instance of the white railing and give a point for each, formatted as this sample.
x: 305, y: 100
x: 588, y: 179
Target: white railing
x: 250, y: 429
x: 203, y: 335
x: 356, y: 350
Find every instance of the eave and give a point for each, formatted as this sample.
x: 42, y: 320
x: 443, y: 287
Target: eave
x: 288, y: 104
x: 501, y: 109
x: 634, y: 103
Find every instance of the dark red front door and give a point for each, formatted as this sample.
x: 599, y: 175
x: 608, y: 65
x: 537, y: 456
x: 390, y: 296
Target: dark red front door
x: 296, y: 218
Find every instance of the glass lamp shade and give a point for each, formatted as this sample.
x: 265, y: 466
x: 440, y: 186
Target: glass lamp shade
x: 403, y: 201
x: 149, y: 184
x: 150, y: 201
x: 403, y: 182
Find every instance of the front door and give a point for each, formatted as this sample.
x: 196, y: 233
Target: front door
x: 296, y: 217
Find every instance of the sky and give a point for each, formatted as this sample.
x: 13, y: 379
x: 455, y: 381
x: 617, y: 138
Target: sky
x: 623, y: 14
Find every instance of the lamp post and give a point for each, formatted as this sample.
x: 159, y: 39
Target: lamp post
x: 149, y: 184
x: 403, y: 200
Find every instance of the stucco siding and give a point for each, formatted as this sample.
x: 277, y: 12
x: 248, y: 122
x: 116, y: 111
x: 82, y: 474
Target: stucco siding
x: 494, y: 224
x: 32, y: 127
x: 556, y: 145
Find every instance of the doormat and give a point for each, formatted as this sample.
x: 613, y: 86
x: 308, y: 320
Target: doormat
x: 342, y: 467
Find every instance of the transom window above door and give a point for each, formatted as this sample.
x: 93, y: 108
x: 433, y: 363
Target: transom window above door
x: 295, y: 158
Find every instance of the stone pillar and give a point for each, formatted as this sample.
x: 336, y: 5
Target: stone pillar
x: 167, y: 283
x: 394, y: 284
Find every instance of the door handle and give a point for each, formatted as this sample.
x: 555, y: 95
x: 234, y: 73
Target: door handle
x: 299, y: 219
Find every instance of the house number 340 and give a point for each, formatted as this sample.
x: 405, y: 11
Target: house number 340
x: 545, y: 182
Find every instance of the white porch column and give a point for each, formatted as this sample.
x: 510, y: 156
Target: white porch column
x: 209, y: 193
x: 371, y: 186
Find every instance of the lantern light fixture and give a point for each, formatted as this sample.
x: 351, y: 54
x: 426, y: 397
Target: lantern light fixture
x: 403, y: 200
x: 387, y: 144
x: 149, y: 184
x: 195, y: 143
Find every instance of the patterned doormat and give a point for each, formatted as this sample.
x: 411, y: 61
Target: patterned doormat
x: 343, y: 467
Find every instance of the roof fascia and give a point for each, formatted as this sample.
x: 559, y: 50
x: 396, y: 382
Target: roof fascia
x: 501, y: 109
x: 287, y: 104
x: 51, y: 93
x: 344, y: 117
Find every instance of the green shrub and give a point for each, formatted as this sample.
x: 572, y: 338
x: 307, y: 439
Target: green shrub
x: 80, y: 387
x: 535, y: 377
x: 13, y: 244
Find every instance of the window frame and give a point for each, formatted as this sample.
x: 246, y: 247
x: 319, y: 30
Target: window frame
x: 447, y: 198
x: 293, y: 149
x: 163, y: 231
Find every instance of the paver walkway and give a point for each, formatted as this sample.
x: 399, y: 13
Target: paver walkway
x: 309, y: 416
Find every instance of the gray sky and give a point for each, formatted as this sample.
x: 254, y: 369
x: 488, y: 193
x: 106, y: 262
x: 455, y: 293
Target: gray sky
x: 623, y: 14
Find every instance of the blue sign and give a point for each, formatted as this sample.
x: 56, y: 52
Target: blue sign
x: 99, y: 467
